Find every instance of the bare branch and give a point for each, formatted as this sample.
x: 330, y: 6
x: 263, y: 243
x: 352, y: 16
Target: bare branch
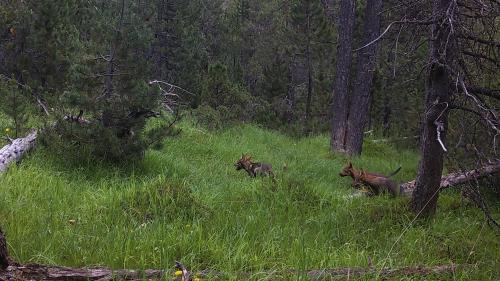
x: 487, y: 92
x: 489, y: 115
x: 389, y: 26
x: 35, y: 95
x: 480, y: 40
x: 172, y: 86
x: 481, y: 56
x: 170, y: 98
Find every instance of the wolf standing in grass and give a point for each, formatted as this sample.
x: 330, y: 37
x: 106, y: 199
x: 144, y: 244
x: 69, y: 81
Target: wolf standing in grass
x: 254, y: 168
x: 377, y: 182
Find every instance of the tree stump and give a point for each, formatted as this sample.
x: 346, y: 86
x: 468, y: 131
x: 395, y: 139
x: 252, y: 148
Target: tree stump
x: 4, y: 254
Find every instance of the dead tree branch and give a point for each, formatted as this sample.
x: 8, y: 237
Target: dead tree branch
x: 170, y: 98
x: 39, y: 100
x: 389, y: 26
x: 457, y: 178
x: 487, y: 92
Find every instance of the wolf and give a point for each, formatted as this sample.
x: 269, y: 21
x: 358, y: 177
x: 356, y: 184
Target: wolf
x: 378, y: 183
x: 254, y: 168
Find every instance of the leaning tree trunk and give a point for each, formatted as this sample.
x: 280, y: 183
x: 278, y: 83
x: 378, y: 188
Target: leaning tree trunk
x: 15, y: 151
x: 341, y: 85
x: 434, y: 121
x: 359, y: 104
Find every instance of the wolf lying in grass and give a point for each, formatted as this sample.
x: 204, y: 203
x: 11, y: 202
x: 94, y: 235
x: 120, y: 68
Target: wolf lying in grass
x: 376, y: 182
x: 254, y: 168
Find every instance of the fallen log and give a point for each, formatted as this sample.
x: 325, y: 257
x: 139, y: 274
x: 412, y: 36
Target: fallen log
x: 10, y: 270
x: 49, y: 273
x: 457, y: 178
x: 16, y: 149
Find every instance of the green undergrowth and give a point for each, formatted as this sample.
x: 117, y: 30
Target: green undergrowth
x: 187, y: 202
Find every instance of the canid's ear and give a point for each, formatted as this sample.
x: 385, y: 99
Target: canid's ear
x: 350, y: 164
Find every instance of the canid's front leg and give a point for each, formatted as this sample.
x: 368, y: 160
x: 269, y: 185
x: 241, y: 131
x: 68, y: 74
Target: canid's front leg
x: 250, y: 173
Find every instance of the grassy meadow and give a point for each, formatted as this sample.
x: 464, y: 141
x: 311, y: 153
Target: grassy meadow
x: 187, y: 202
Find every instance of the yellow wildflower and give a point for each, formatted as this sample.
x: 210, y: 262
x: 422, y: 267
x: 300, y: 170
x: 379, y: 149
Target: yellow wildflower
x: 7, y: 130
x: 178, y: 273
x: 197, y: 279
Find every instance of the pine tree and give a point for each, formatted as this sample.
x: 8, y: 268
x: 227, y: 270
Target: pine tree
x: 84, y: 62
x: 311, y: 40
x: 14, y: 103
x: 114, y: 91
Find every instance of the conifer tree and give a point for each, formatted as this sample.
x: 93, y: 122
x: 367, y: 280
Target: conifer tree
x: 310, y: 37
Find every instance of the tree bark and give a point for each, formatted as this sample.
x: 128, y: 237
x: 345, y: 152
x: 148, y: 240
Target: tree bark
x: 14, y: 152
x: 49, y: 273
x: 434, y: 121
x: 456, y: 178
x: 309, y: 72
x: 359, y: 104
x: 340, y: 104
x: 4, y: 254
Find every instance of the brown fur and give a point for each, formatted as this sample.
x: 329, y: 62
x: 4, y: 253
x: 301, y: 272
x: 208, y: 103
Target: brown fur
x: 377, y: 182
x: 254, y: 168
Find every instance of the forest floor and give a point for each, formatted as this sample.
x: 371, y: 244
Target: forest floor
x: 187, y: 202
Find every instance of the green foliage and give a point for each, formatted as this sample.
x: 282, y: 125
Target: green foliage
x: 163, y: 202
x: 224, y: 220
x: 64, y: 55
x: 158, y: 129
x: 207, y: 117
x: 92, y: 142
x: 218, y: 90
x: 14, y: 104
x: 227, y: 101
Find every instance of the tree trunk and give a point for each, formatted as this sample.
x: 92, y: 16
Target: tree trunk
x: 434, y: 121
x: 108, y: 81
x: 4, y: 254
x: 359, y: 103
x: 309, y: 74
x: 341, y: 85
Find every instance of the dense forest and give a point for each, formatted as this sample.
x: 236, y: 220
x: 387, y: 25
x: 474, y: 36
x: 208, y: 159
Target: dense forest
x: 116, y: 82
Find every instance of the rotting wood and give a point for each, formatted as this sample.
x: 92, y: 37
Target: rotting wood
x: 10, y: 270
x: 456, y: 178
x: 49, y: 273
x: 16, y: 150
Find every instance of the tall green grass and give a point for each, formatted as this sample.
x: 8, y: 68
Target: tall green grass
x: 187, y: 202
